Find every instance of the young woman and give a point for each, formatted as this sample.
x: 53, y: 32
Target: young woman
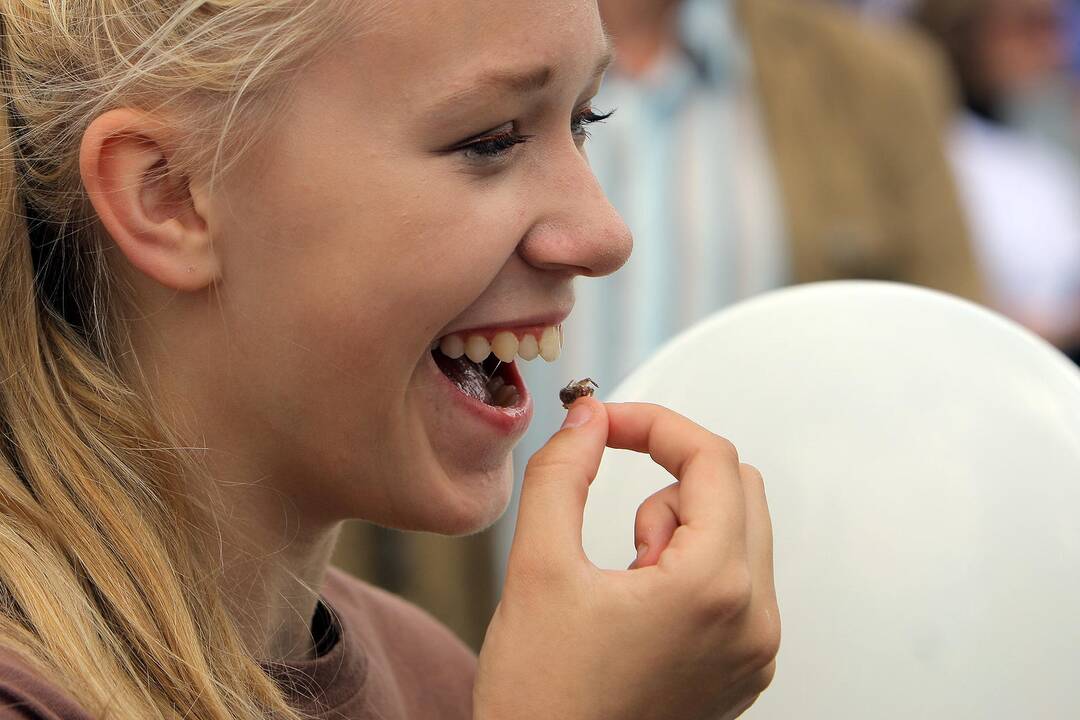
x: 254, y: 257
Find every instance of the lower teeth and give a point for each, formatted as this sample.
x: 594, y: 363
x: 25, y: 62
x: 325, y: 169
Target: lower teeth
x: 506, y: 396
x: 502, y: 395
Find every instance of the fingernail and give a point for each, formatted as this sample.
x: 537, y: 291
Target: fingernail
x: 579, y: 415
x: 642, y: 549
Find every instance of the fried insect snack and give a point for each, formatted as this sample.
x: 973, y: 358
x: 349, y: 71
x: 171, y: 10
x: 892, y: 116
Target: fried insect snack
x: 575, y: 390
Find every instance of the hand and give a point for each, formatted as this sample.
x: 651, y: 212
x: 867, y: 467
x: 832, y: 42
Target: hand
x: 689, y: 632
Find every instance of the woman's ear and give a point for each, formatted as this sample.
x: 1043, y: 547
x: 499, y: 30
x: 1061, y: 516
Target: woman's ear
x: 147, y: 206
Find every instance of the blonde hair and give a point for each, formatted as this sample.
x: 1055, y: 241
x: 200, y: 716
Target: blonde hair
x: 104, y: 583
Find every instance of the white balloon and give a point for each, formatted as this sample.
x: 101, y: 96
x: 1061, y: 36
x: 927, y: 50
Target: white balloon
x: 922, y: 462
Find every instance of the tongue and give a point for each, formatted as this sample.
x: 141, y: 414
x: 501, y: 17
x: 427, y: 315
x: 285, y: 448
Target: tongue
x: 467, y: 375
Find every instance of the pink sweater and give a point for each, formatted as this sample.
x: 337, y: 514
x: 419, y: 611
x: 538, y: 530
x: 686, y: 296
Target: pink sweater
x: 380, y: 659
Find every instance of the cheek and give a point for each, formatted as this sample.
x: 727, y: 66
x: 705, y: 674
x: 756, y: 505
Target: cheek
x: 335, y: 291
x: 361, y: 283
x: 448, y: 252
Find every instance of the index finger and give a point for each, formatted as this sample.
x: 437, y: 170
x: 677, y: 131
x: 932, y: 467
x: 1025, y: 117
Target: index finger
x: 705, y: 464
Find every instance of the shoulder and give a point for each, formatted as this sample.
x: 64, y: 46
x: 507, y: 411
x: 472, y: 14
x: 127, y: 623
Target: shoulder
x: 391, y: 617
x: 833, y: 30
x: 26, y: 695
x: 818, y: 20
x: 875, y: 69
x: 433, y: 668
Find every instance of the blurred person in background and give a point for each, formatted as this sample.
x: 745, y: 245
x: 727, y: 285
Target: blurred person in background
x: 757, y: 144
x: 1021, y: 190
x: 1072, y: 14
x: 1046, y: 100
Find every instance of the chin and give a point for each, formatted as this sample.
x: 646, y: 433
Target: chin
x: 468, y: 503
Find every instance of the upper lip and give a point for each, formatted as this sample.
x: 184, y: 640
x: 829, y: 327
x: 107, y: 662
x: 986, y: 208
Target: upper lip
x: 540, y: 320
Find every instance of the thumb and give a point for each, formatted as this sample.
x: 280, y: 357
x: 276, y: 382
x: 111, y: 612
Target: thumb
x: 556, y: 485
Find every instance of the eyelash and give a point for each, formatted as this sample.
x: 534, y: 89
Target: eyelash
x: 588, y: 117
x: 495, y: 146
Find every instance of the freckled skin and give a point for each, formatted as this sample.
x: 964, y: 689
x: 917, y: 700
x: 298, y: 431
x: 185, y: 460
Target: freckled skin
x: 575, y: 390
x: 353, y: 236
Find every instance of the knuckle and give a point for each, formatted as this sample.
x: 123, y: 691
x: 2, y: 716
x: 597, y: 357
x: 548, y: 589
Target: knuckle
x: 654, y: 506
x: 751, y: 475
x: 762, y: 678
x: 773, y: 642
x: 750, y: 698
x: 752, y: 479
x: 726, y: 449
x: 729, y: 593
x: 766, y: 645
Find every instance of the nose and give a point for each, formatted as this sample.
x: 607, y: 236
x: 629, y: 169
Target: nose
x: 577, y: 230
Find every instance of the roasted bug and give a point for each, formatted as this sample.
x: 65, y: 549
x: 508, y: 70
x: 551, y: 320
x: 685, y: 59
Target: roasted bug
x: 575, y: 390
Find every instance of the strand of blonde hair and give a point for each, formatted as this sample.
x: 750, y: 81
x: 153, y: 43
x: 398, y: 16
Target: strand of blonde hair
x: 105, y: 583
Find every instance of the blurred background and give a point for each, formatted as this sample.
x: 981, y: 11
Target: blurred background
x: 763, y: 143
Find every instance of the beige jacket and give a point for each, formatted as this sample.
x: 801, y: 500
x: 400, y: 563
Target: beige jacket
x: 856, y: 119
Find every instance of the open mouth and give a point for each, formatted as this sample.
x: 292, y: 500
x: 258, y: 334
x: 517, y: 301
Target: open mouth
x: 484, y: 381
x: 481, y: 364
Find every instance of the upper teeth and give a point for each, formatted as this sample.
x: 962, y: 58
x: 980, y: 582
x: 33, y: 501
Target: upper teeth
x: 505, y: 345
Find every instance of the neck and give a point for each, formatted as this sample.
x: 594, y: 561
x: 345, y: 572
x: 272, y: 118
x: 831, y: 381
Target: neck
x: 642, y: 30
x: 273, y: 592
x: 273, y: 562
x: 267, y: 532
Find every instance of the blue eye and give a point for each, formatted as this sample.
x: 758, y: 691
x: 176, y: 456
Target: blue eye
x: 585, y: 118
x: 493, y: 146
x: 497, y: 144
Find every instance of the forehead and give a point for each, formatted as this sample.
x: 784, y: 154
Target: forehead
x: 423, y: 49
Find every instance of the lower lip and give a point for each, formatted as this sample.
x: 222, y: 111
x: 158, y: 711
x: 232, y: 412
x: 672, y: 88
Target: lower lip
x: 507, y: 421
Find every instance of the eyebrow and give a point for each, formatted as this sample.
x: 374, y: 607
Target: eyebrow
x: 517, y: 82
